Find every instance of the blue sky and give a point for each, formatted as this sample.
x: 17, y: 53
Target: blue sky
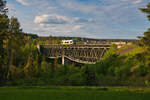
x: 119, y: 19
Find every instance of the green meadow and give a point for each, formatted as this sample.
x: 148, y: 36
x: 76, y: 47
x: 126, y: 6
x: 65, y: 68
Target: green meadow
x: 74, y: 93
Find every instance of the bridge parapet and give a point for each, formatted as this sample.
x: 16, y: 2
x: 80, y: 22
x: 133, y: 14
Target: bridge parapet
x: 76, y: 46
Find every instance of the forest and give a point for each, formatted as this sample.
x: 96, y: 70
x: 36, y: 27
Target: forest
x: 22, y: 64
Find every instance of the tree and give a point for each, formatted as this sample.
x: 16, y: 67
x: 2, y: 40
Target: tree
x: 4, y: 23
x: 2, y: 7
x: 29, y: 68
x: 14, y: 27
x: 12, y: 44
x: 3, y: 26
x: 145, y: 40
x: 10, y: 41
x: 15, y: 40
x: 45, y: 66
x: 146, y: 10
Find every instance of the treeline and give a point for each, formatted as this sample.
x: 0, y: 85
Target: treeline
x: 22, y: 64
x: 78, y: 39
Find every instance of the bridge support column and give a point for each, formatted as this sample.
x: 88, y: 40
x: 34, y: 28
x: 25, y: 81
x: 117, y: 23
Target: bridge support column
x: 63, y: 60
x: 63, y: 57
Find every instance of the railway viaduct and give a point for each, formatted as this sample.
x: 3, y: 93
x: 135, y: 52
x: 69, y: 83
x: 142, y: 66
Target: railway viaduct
x: 80, y: 53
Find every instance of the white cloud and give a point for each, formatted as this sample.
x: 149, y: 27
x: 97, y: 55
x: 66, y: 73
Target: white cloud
x: 66, y: 29
x: 58, y: 19
x: 57, y: 24
x: 133, y: 1
x: 51, y: 19
x: 137, y: 1
x: 23, y: 2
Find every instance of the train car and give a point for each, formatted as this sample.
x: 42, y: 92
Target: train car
x: 68, y: 42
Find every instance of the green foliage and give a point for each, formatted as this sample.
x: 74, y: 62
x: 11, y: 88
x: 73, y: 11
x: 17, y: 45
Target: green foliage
x: 44, y: 66
x: 15, y: 73
x: 147, y: 83
x: 29, y: 68
x: 111, y: 51
x: 145, y: 40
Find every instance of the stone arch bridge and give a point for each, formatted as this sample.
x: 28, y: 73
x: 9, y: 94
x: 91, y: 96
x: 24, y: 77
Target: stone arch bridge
x: 80, y: 53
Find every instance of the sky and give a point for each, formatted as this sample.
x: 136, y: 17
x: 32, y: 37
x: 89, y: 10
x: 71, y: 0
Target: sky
x: 101, y: 19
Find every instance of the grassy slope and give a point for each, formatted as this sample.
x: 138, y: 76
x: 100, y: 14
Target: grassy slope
x: 130, y: 50
x: 73, y: 93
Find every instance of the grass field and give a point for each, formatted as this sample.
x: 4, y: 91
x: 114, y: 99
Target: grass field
x: 74, y: 93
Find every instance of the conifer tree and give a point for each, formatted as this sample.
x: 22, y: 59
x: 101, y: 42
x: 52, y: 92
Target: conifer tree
x: 146, y: 38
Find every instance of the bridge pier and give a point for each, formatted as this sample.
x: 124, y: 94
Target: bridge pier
x: 63, y: 57
x: 63, y: 60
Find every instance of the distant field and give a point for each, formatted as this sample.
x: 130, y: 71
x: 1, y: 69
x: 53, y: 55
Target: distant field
x: 73, y: 93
